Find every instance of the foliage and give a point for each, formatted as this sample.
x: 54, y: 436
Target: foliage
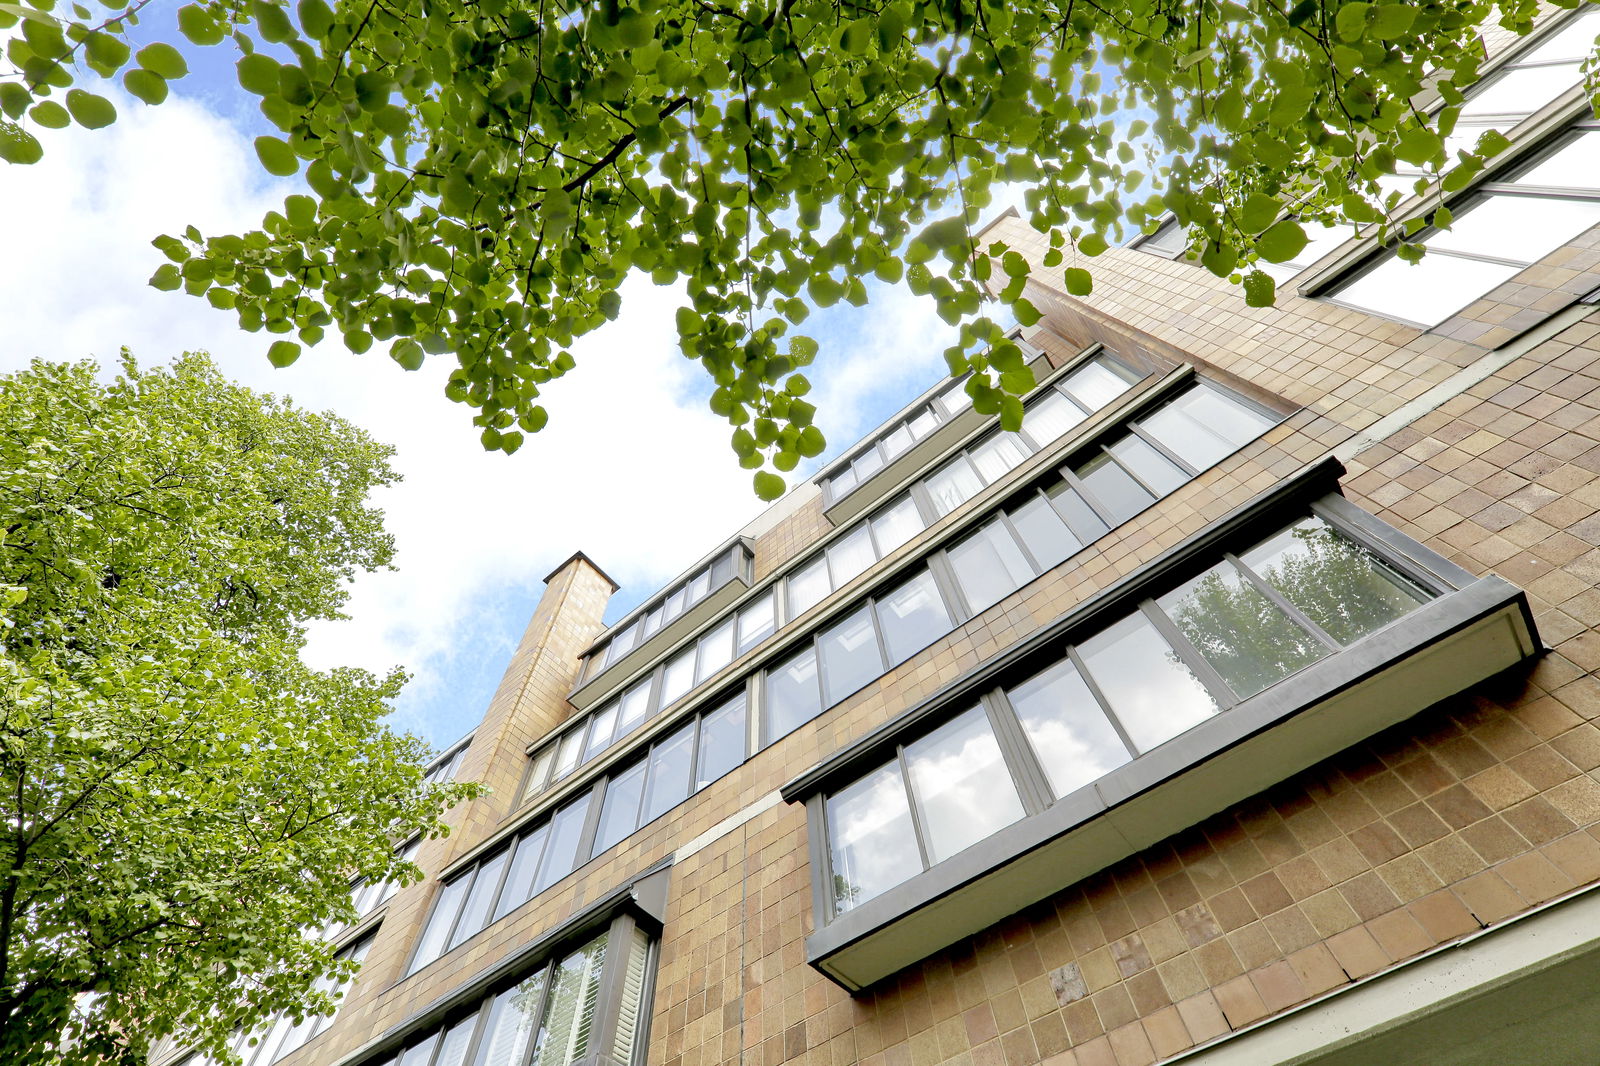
x: 180, y: 796
x: 482, y: 174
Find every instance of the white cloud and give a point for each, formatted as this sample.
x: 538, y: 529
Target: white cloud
x: 632, y: 468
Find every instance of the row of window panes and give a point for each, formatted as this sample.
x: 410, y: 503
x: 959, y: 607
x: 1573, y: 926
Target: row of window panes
x: 897, y: 440
x: 667, y: 607
x: 1241, y: 626
x: 282, y: 1034
x: 1048, y: 416
x: 697, y: 753
x: 1496, y: 236
x: 594, y: 734
x: 551, y: 1017
x: 1159, y: 452
x: 366, y: 896
x: 443, y: 771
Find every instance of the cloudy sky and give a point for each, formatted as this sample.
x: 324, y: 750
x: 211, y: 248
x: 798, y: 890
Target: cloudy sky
x: 632, y: 468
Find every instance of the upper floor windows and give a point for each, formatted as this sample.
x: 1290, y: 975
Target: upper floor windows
x: 1505, y: 227
x: 590, y: 1004
x: 891, y: 443
x: 443, y: 769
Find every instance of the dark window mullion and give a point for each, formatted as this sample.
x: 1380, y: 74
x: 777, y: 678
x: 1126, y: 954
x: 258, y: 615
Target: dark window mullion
x: 1190, y: 656
x: 480, y: 1028
x: 549, y: 969
x: 917, y: 828
x: 1105, y: 450
x: 1032, y: 785
x: 1183, y: 464
x: 591, y: 829
x: 1299, y: 617
x: 1105, y: 514
x: 877, y: 632
x: 944, y: 580
x: 1022, y: 545
x: 1385, y: 542
x: 924, y: 503
x: 470, y: 877
x: 1100, y: 698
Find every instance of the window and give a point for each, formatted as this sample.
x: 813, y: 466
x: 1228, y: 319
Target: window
x: 1169, y: 240
x: 1506, y: 226
x: 667, y: 607
x: 282, y: 1034
x: 584, y: 1003
x: 895, y: 441
x: 1208, y: 650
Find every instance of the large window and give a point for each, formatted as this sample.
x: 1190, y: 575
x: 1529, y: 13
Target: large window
x: 893, y: 442
x: 589, y: 1003
x: 1286, y: 631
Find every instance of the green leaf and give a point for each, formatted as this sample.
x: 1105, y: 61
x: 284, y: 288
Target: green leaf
x: 1091, y: 244
x: 166, y: 277
x: 90, y: 111
x: 316, y: 18
x: 1418, y: 146
x: 14, y: 99
x: 50, y: 115
x: 1390, y: 21
x: 106, y: 51
x: 1492, y: 143
x: 1027, y: 314
x: 1259, y: 289
x: 1079, y: 283
x: 147, y: 86
x: 408, y: 353
x: 162, y: 59
x: 1258, y: 212
x: 1351, y: 21
x: 276, y: 156
x: 258, y: 74
x: 283, y: 353
x: 1282, y: 242
x: 195, y: 23
x: 768, y: 486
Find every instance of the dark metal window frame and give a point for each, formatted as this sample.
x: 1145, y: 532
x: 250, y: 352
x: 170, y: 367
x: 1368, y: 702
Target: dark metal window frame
x: 1313, y: 491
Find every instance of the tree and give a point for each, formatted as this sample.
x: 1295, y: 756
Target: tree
x: 180, y: 796
x: 482, y: 174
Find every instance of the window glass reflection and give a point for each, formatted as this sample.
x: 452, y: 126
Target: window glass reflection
x: 1576, y: 165
x: 1158, y: 472
x: 1202, y: 426
x: 722, y: 743
x: 716, y: 651
x: 1517, y: 227
x: 792, y: 696
x: 998, y: 456
x: 619, y: 815
x: 1050, y: 417
x: 1096, y: 383
x: 524, y: 866
x: 912, y: 617
x: 669, y: 774
x: 475, y: 912
x: 1114, y: 489
x: 807, y: 586
x: 1244, y: 635
x: 566, y: 830
x: 871, y: 840
x: 1152, y: 692
x: 511, y: 1023
x: 896, y: 524
x: 953, y: 485
x: 1043, y: 532
x: 962, y: 787
x: 850, y: 656
x: 850, y: 555
x: 1339, y: 584
x: 988, y: 565
x: 1075, y: 742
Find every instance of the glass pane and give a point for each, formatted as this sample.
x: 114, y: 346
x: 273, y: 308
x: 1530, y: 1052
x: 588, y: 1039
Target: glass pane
x: 866, y: 464
x: 652, y: 622
x: 540, y: 773
x: 953, y: 485
x: 600, y: 732
x: 675, y: 601
x: 1154, y: 695
x: 850, y: 555
x: 924, y: 423
x: 669, y: 774
x: 1522, y: 91
x: 1170, y: 238
x: 842, y: 482
x: 1339, y: 584
x: 564, y: 1033
x: 524, y: 865
x: 1095, y: 384
x: 561, y: 857
x: 722, y: 740
x: 961, y: 785
x: 1114, y: 489
x: 453, y: 1048
x: 1203, y: 425
x: 896, y: 441
x: 418, y: 1054
x: 1517, y: 227
x: 571, y: 748
x: 953, y: 400
x: 998, y: 456
x: 699, y: 585
x: 475, y: 912
x: 1574, y: 41
x: 896, y: 524
x: 912, y: 617
x: 1043, y: 532
x: 850, y: 656
x: 1084, y: 523
x: 1075, y: 742
x: 1428, y: 292
x: 792, y: 696
x: 619, y: 815
x: 439, y: 922
x: 757, y: 622
x: 635, y: 704
x: 1050, y: 416
x: 678, y: 677
x: 1575, y: 165
x: 1148, y: 465
x: 511, y: 1024
x: 722, y: 569
x: 988, y: 565
x: 716, y: 651
x: 870, y: 838
x: 807, y: 587
x: 1241, y: 632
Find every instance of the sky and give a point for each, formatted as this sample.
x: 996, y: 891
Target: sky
x: 633, y: 469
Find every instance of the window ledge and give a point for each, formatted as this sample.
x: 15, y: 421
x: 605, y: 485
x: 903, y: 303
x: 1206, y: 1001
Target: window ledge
x: 1438, y: 650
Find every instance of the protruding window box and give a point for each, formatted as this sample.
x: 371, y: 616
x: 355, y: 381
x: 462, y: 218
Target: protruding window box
x: 1459, y: 631
x: 649, y: 631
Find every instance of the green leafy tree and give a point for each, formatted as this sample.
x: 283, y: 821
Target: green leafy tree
x: 180, y: 796
x: 482, y: 174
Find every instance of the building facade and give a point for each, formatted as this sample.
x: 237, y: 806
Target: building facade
x: 1240, y: 709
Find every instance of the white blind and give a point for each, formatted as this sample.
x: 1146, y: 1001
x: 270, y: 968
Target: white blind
x: 622, y: 1048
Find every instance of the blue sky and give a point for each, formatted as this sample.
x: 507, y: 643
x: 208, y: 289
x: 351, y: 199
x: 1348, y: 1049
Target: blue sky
x: 632, y: 470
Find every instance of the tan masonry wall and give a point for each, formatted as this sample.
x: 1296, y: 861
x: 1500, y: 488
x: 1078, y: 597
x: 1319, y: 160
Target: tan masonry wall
x: 1473, y: 812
